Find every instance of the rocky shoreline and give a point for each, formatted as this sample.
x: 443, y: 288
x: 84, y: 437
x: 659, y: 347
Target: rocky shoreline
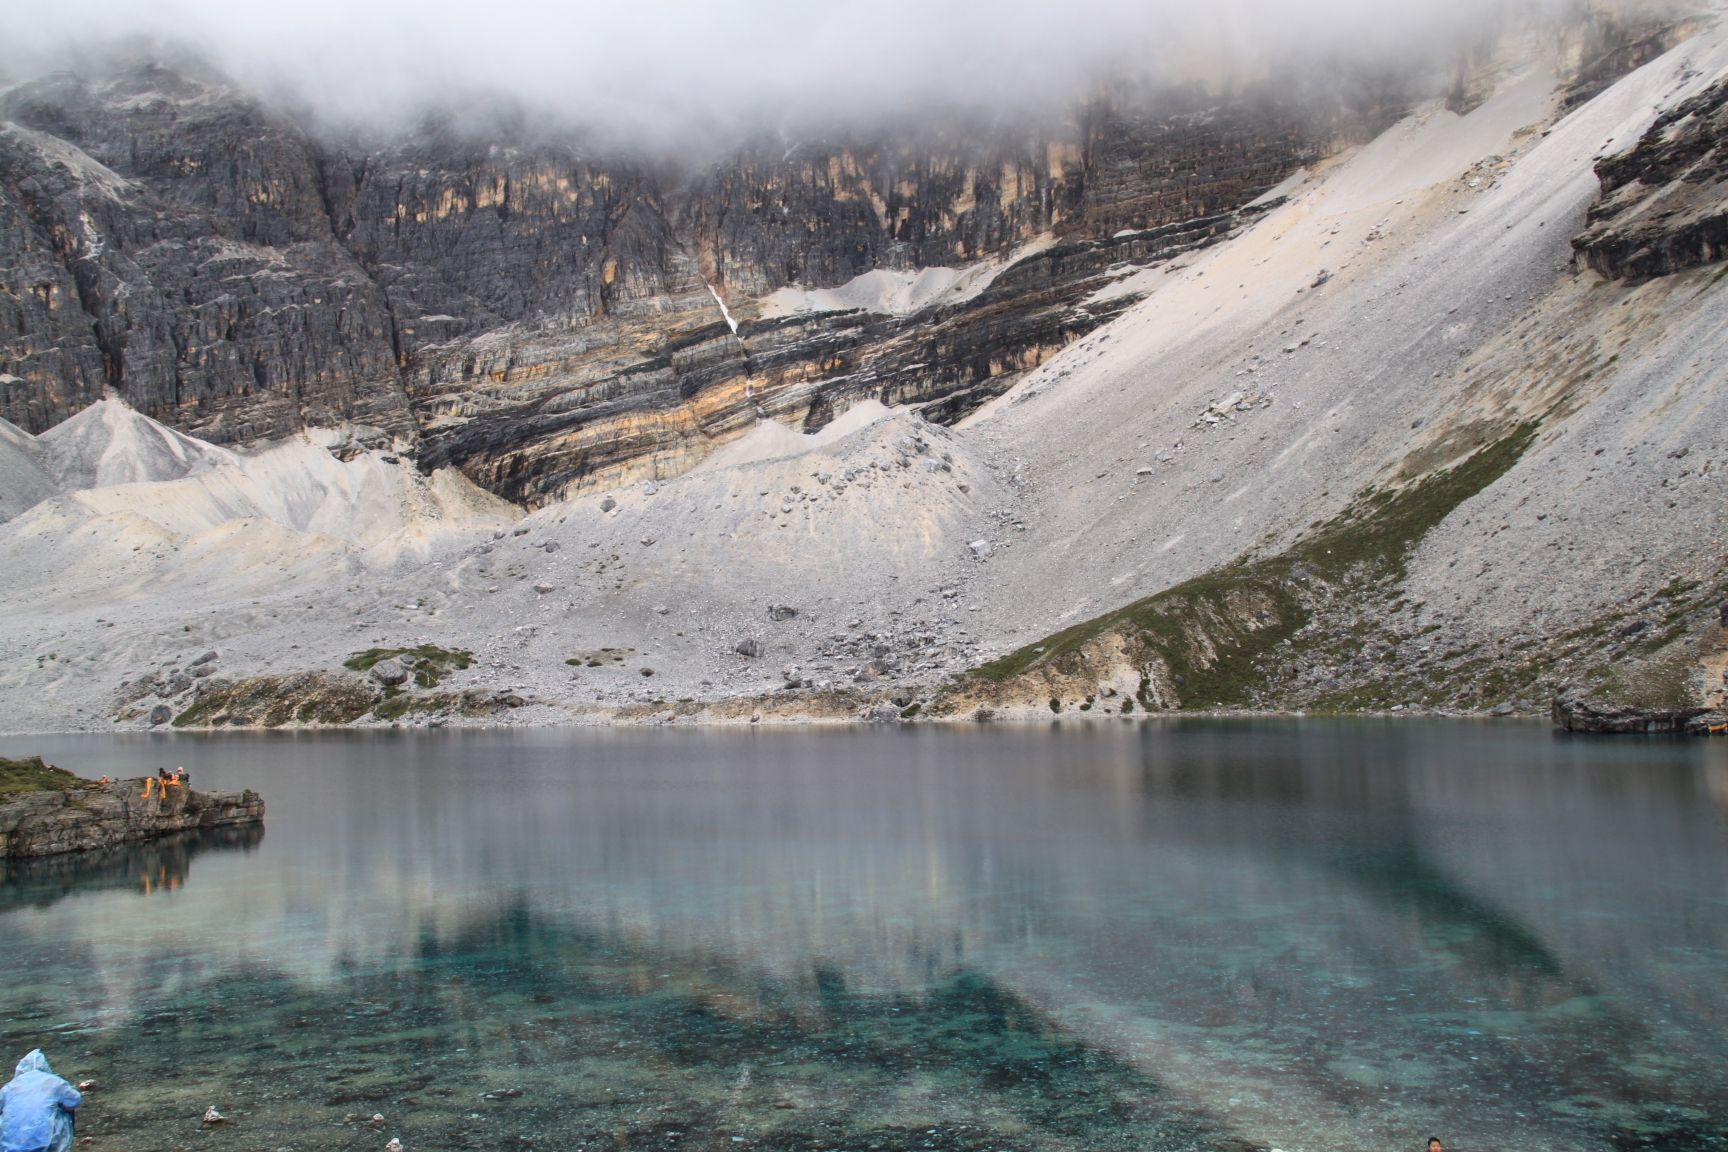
x: 324, y: 700
x: 48, y: 821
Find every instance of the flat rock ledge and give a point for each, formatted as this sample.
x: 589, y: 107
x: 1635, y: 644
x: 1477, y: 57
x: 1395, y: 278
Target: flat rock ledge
x: 79, y: 819
x: 1576, y: 712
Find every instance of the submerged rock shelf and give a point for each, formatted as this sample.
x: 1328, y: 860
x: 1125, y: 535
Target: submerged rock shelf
x: 45, y: 810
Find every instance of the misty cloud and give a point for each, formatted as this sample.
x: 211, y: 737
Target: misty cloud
x: 648, y: 64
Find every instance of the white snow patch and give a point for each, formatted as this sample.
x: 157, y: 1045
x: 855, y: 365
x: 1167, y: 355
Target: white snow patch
x: 86, y: 169
x: 724, y: 311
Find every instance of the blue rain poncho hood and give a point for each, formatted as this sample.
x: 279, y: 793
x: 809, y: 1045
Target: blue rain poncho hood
x: 36, y: 1108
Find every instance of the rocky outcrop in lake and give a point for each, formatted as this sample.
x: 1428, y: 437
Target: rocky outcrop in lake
x: 78, y: 819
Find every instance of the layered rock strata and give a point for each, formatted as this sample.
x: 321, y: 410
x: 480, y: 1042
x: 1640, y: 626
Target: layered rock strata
x: 549, y: 319
x: 80, y: 819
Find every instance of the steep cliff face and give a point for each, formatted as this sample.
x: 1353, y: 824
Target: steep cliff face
x: 549, y: 319
x: 198, y: 273
x: 566, y: 324
x: 1375, y: 446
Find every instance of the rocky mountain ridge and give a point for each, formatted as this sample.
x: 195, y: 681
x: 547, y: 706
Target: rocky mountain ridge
x: 550, y: 319
x: 1378, y: 441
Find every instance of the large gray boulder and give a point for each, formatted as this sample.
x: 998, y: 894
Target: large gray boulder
x: 389, y: 673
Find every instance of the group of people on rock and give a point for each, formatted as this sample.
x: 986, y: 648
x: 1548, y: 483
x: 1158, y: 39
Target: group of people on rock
x: 165, y: 779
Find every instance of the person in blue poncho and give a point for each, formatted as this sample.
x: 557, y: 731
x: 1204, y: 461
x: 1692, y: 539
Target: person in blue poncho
x: 36, y: 1108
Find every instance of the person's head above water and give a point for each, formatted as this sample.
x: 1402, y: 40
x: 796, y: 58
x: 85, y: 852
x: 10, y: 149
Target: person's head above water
x: 1434, y: 1144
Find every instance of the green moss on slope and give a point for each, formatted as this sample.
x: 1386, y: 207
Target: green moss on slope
x: 444, y: 657
x: 1213, y: 631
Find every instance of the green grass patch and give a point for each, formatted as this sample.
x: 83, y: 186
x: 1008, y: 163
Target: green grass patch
x: 392, y: 708
x: 442, y: 657
x: 33, y: 775
x: 202, y: 710
x: 1381, y: 526
x: 1661, y: 682
x: 271, y: 701
x: 399, y: 706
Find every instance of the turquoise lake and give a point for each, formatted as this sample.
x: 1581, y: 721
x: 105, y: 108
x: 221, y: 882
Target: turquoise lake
x: 1307, y: 935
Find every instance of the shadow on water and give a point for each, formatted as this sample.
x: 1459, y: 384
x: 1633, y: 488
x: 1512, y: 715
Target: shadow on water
x: 527, y: 1032
x: 145, y: 866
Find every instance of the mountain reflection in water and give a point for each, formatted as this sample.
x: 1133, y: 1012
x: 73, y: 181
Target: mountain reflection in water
x: 1309, y: 935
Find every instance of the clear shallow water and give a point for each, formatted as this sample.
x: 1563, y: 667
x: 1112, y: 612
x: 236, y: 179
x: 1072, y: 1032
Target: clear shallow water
x: 1307, y: 935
